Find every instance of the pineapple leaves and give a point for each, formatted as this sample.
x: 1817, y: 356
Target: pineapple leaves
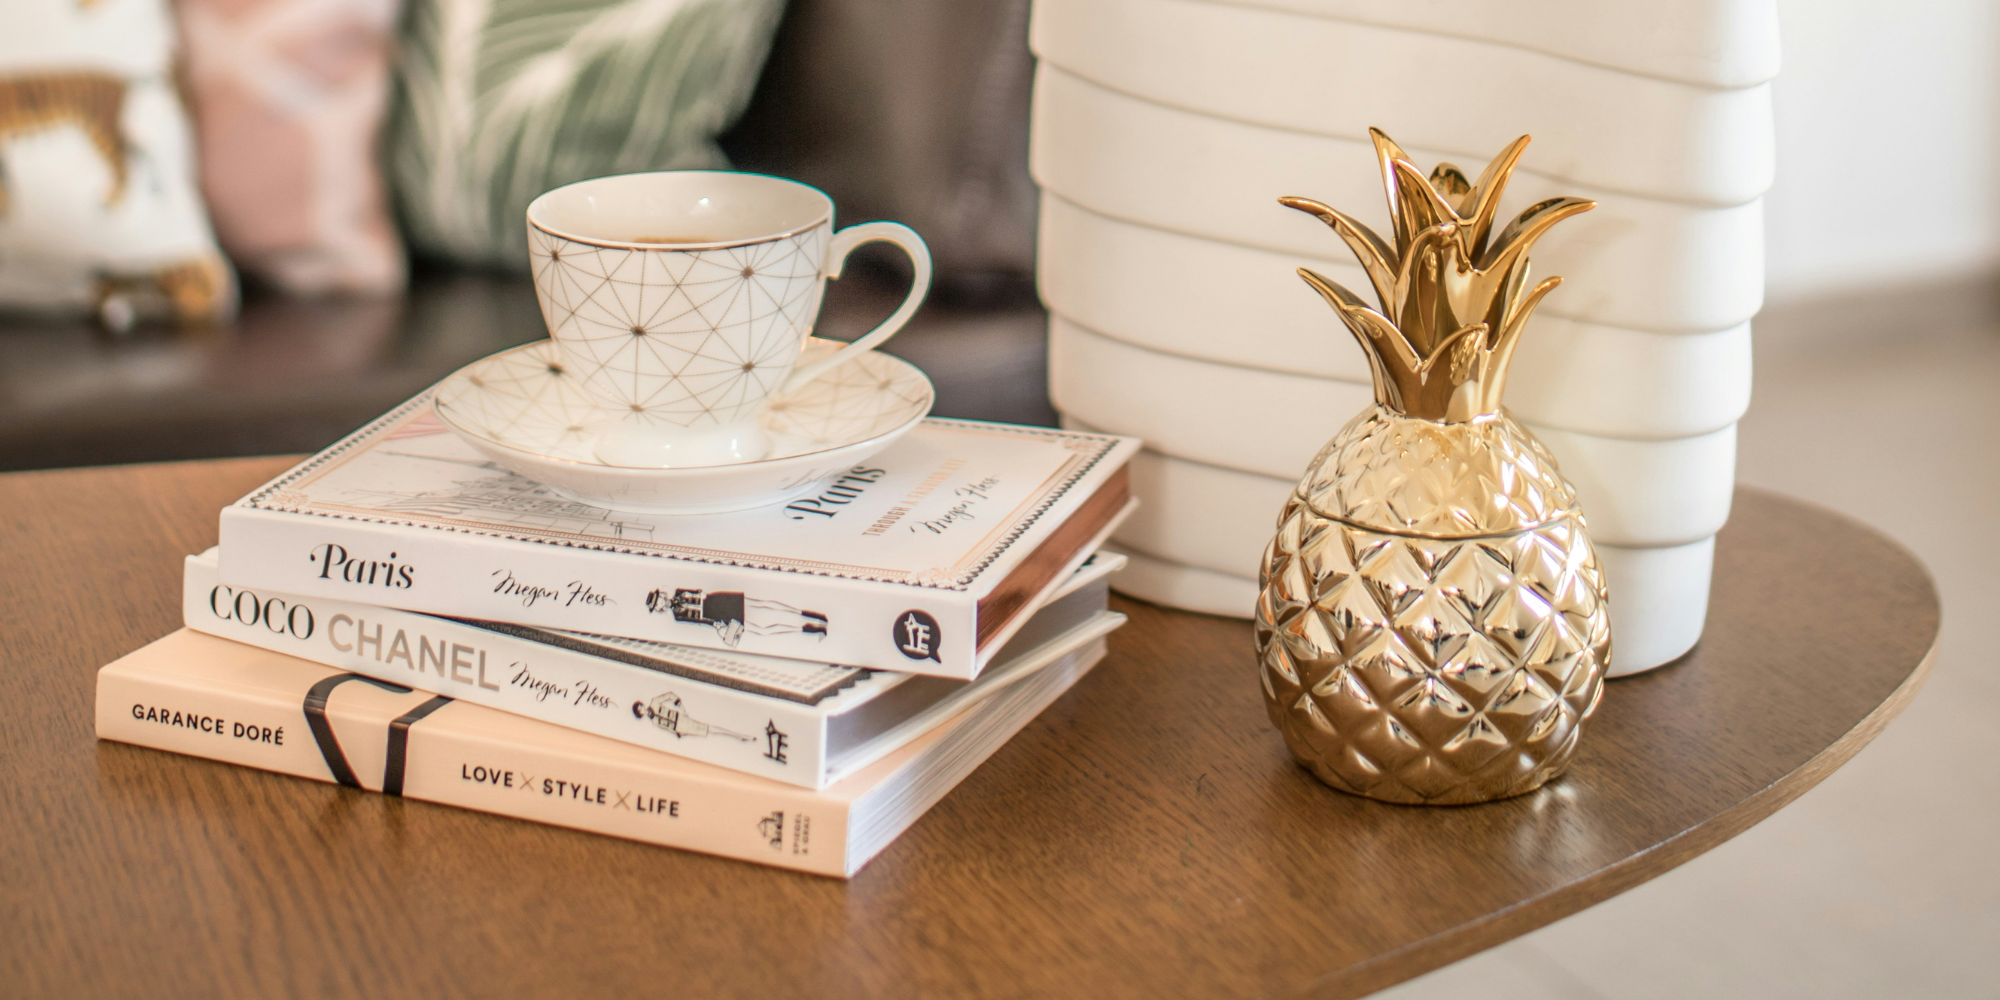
x: 1422, y: 207
x: 1508, y: 302
x: 1502, y: 353
x: 1417, y: 285
x: 1455, y: 299
x: 1486, y: 199
x: 1528, y: 227
x: 1366, y: 324
x: 1462, y: 347
x: 1450, y: 182
x: 1377, y: 257
x: 1373, y: 332
x: 1386, y: 153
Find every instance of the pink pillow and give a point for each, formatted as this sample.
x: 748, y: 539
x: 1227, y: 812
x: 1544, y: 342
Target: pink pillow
x: 288, y: 99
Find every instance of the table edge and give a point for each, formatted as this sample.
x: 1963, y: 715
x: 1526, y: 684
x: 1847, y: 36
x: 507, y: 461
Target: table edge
x: 1498, y: 927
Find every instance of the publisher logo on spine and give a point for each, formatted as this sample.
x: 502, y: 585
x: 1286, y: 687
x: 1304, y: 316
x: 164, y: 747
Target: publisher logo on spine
x: 917, y: 636
x: 775, y: 742
x: 772, y: 829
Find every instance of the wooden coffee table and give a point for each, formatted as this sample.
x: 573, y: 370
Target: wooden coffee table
x: 1147, y: 837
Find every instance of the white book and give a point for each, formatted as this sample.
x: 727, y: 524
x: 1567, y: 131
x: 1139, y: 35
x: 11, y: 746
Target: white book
x: 797, y: 721
x: 924, y: 560
x: 203, y: 696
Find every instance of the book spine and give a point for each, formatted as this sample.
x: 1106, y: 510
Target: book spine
x: 758, y: 735
x: 771, y: 824
x: 461, y: 574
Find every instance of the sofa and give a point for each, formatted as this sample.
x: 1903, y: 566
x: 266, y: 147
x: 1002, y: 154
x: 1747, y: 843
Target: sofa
x: 898, y: 108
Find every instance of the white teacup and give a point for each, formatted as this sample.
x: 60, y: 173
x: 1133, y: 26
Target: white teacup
x: 681, y: 300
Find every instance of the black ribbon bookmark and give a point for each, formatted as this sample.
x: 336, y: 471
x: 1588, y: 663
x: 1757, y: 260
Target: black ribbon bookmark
x: 322, y: 730
x: 399, y: 743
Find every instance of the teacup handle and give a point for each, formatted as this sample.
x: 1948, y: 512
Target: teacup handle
x: 842, y: 244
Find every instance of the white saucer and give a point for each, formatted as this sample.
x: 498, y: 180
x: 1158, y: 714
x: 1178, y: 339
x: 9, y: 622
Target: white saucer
x: 520, y: 409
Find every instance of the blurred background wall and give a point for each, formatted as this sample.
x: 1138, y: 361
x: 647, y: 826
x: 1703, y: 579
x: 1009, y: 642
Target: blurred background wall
x: 1887, y: 162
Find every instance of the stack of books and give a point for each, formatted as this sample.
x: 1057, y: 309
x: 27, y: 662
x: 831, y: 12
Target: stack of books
x: 793, y: 685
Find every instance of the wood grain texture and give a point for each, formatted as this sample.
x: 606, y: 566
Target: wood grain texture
x: 1147, y: 837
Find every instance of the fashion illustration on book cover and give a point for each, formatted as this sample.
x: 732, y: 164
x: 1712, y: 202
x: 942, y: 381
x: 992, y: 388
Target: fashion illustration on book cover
x: 667, y: 712
x: 732, y: 614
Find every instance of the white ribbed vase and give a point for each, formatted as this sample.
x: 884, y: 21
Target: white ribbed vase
x: 1164, y: 130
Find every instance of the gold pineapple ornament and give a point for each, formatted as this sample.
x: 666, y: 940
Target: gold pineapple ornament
x: 1432, y: 624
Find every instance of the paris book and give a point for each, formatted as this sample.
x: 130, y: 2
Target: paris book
x: 925, y: 559
x: 797, y: 721
x: 203, y: 696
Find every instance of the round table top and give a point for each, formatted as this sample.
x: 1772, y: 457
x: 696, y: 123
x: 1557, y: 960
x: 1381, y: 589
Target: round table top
x: 1148, y: 836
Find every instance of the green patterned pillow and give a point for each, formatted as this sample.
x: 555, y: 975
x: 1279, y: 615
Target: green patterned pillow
x: 499, y: 101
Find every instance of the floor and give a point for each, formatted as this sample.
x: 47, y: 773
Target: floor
x: 1883, y: 881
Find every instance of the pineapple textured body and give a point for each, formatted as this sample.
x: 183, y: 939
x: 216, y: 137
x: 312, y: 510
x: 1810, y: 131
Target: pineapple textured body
x: 1432, y: 626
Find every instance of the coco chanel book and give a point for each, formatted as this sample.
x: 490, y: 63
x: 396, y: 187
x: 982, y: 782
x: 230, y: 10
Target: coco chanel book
x: 199, y: 695
x: 796, y: 721
x: 924, y: 560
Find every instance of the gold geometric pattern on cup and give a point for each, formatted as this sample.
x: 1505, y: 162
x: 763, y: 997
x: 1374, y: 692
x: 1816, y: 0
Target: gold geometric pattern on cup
x: 526, y: 399
x: 854, y: 402
x: 685, y: 337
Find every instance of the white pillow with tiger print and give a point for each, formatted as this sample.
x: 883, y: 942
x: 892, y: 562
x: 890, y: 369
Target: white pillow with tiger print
x: 99, y: 208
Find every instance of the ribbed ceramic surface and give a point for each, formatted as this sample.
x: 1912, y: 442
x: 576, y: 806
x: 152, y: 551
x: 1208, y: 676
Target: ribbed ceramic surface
x: 1457, y: 665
